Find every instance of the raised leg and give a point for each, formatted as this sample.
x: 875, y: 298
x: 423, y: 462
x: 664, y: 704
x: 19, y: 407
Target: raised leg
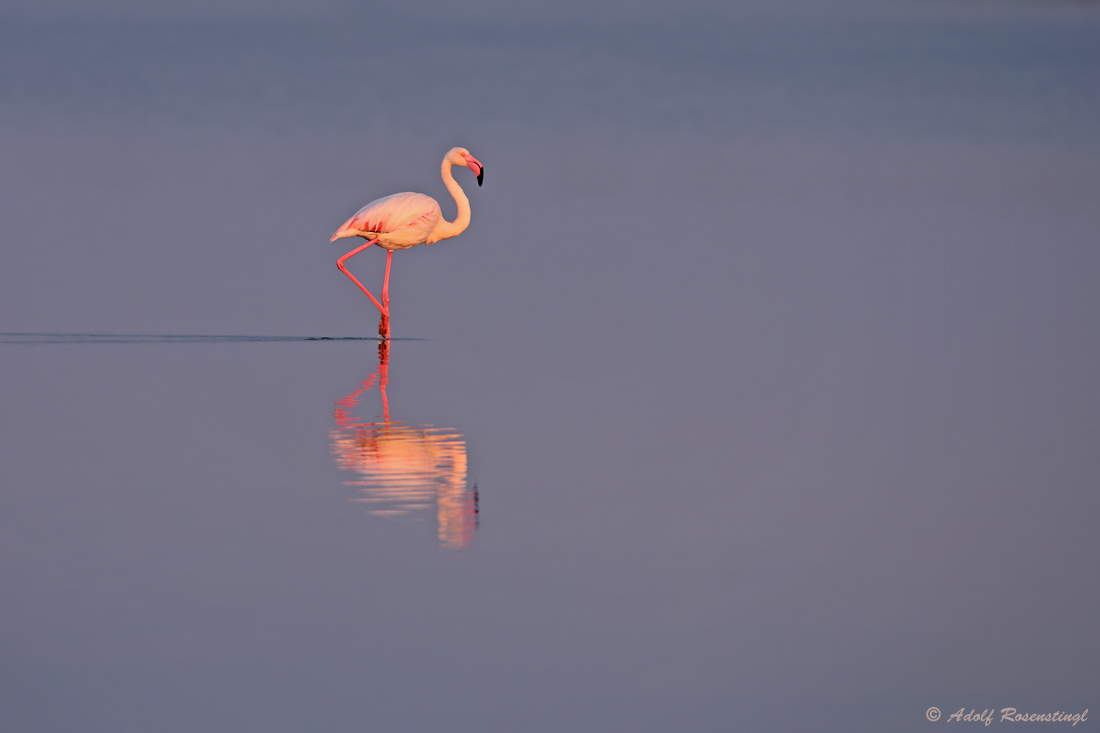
x: 384, y: 322
x: 340, y: 263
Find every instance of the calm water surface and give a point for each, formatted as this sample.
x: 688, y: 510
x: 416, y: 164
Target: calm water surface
x: 759, y: 395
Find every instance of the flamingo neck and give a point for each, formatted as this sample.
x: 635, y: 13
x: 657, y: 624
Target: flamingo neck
x: 446, y: 229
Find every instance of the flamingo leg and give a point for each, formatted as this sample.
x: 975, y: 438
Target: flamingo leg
x: 340, y: 263
x: 384, y: 322
x: 386, y: 284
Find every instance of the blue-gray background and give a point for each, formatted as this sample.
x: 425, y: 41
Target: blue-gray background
x: 773, y: 340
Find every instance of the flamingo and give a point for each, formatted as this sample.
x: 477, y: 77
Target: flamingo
x: 404, y: 220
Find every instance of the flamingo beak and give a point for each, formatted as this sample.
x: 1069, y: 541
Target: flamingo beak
x: 476, y: 167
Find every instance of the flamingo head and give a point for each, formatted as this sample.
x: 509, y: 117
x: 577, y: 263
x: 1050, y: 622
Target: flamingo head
x: 461, y: 156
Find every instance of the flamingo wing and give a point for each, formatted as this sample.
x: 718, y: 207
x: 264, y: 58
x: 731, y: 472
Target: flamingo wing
x: 402, y: 220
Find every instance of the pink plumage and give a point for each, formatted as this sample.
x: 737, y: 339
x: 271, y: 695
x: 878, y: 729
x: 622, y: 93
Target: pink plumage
x: 400, y: 221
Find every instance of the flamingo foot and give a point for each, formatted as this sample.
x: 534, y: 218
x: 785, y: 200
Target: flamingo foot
x: 384, y: 326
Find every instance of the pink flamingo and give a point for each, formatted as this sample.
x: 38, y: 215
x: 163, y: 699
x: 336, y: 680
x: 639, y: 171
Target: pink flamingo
x: 405, y: 220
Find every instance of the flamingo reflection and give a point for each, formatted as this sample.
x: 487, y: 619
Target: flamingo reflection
x: 405, y: 469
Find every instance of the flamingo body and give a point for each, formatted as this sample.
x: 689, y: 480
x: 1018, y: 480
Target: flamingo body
x: 399, y: 221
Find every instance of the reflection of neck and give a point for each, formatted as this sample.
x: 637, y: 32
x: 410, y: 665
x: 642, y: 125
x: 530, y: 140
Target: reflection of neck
x: 446, y: 229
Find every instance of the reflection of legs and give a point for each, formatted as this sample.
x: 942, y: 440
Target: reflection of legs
x: 381, y: 377
x: 340, y: 263
x: 384, y: 376
x: 384, y: 322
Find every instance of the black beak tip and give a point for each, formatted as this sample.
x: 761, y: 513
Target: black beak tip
x: 480, y: 176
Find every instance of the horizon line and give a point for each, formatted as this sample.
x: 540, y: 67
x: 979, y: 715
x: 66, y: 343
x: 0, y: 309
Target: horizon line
x: 41, y: 338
